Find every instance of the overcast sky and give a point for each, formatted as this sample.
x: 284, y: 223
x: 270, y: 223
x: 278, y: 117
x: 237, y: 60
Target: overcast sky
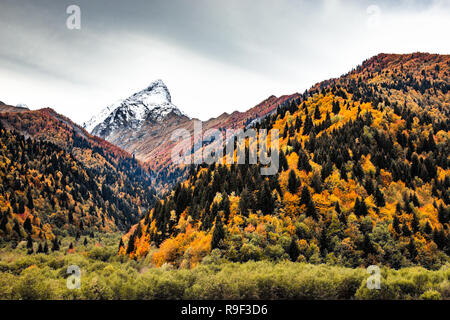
x: 213, y: 55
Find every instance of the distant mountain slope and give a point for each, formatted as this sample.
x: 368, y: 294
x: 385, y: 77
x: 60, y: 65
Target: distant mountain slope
x: 364, y: 179
x: 94, y: 175
x: 151, y: 104
x: 7, y: 108
x: 143, y: 123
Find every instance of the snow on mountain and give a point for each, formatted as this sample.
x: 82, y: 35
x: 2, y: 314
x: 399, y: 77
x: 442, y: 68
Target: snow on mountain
x: 151, y: 104
x: 97, y: 119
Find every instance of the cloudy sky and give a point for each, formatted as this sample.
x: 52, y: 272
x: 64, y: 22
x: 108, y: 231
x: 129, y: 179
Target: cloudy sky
x: 213, y: 55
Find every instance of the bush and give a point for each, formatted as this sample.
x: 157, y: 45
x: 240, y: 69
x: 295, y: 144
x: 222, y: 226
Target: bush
x: 431, y: 295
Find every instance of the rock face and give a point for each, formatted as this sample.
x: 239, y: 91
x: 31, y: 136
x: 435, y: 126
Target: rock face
x: 153, y: 104
x: 143, y: 123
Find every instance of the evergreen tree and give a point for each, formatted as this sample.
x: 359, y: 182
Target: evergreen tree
x: 367, y: 245
x: 363, y: 211
x: 120, y: 244
x: 283, y: 162
x: 293, y: 182
x: 412, y: 250
x: 293, y: 250
x: 428, y: 229
x: 225, y: 206
x: 379, y: 198
x: 311, y: 210
x: 396, y: 224
x: 55, y: 244
x: 308, y: 125
x: 266, y: 201
x: 244, y: 202
x: 305, y: 198
x: 29, y: 242
x: 27, y: 225
x: 218, y: 233
x: 336, y: 108
x: 317, y: 113
x: 130, y: 247
x: 30, y: 203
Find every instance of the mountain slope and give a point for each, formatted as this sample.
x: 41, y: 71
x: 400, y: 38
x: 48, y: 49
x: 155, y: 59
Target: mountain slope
x: 75, y: 177
x: 152, y: 104
x: 364, y: 179
x: 143, y: 123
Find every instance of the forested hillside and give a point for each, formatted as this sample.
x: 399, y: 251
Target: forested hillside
x: 364, y: 179
x: 59, y: 180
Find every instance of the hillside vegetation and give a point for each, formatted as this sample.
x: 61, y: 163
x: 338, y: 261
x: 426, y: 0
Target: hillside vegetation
x: 364, y: 179
x: 49, y: 190
x: 105, y: 275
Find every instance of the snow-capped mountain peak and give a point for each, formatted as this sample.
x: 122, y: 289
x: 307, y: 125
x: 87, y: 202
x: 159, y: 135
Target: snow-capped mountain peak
x: 152, y: 103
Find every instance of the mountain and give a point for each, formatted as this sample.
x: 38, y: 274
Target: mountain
x: 60, y: 179
x: 364, y: 179
x: 143, y: 123
x: 7, y: 108
x: 150, y: 105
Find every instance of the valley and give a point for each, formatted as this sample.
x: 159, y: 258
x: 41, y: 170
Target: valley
x: 363, y: 180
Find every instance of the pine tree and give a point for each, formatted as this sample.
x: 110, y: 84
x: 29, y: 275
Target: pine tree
x: 305, y: 198
x: 311, y: 210
x: 360, y: 207
x: 428, y: 229
x: 130, y: 247
x: 266, y: 201
x: 412, y: 250
x: 283, y: 162
x: 363, y: 211
x: 244, y: 202
x: 308, y: 125
x: 293, y: 182
x: 396, y: 224
x: 27, y: 225
x: 293, y: 250
x: 336, y: 108
x: 225, y: 206
x: 55, y: 244
x: 29, y: 242
x: 367, y: 245
x: 379, y: 198
x: 30, y: 203
x: 218, y: 233
x: 317, y: 113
